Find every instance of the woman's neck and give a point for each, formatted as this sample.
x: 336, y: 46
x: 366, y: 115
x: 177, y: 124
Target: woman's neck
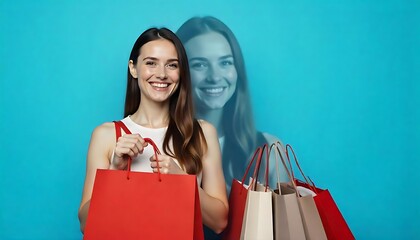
x: 214, y: 117
x: 152, y: 115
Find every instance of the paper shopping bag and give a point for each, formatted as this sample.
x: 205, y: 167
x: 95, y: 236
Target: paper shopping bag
x: 333, y: 221
x: 138, y: 205
x: 143, y: 207
x: 238, y: 200
x: 258, y: 218
x: 288, y: 223
x: 311, y: 219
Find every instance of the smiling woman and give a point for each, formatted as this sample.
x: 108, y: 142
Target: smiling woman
x: 157, y: 71
x: 220, y: 91
x: 159, y: 105
x: 213, y: 72
x: 221, y: 94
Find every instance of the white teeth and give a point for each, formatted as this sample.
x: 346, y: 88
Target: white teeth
x: 160, y: 85
x: 213, y: 90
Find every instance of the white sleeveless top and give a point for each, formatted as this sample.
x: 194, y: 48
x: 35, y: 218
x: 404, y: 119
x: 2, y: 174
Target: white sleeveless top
x: 142, y: 162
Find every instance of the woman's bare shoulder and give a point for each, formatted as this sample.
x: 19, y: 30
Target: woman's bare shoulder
x: 105, y: 129
x: 104, y: 134
x: 208, y: 128
x: 271, y: 138
x: 103, y: 140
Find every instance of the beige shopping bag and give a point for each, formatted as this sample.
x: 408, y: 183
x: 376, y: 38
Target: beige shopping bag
x: 288, y: 223
x: 287, y: 218
x: 311, y: 219
x: 258, y: 217
x: 244, y: 210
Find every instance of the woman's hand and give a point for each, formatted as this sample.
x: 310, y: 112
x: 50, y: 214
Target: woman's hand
x: 128, y: 145
x: 166, y: 165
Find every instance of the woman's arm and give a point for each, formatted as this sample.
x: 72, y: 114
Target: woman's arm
x: 99, y: 154
x: 213, y: 199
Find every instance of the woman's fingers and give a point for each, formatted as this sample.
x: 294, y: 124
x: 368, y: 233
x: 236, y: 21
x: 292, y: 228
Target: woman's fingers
x: 130, y: 144
x: 165, y: 164
x: 162, y: 164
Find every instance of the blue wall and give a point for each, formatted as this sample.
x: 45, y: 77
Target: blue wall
x: 339, y: 80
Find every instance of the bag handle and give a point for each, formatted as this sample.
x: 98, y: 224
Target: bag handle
x: 280, y: 153
x: 258, y: 154
x: 120, y: 125
x: 267, y: 168
x: 257, y: 166
x: 310, y: 183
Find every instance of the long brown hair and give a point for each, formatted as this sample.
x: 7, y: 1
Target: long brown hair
x: 188, y: 139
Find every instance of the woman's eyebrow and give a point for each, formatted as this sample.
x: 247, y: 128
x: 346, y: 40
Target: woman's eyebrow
x: 150, y: 58
x: 205, y: 59
x: 226, y: 56
x: 198, y: 59
x: 156, y: 59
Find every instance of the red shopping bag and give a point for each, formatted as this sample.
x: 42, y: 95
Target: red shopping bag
x: 139, y: 205
x: 333, y: 221
x: 237, y: 201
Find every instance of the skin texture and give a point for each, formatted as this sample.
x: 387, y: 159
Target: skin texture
x: 157, y: 72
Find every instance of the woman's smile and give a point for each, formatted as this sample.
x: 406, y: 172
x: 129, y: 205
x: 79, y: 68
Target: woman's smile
x: 160, y: 86
x: 213, y: 91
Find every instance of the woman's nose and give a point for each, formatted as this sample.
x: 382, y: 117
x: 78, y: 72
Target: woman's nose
x: 214, y: 75
x: 161, y: 72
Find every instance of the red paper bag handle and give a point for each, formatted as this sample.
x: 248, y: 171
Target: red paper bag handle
x: 258, y: 153
x: 118, y: 126
x: 267, y: 167
x: 257, y: 166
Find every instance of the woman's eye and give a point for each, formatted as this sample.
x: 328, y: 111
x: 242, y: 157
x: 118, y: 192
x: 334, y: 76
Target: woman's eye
x: 226, y: 63
x: 150, y: 63
x: 199, y: 66
x: 172, y: 65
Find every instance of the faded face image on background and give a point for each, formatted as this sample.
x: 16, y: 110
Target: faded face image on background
x: 212, y: 69
x: 220, y: 90
x: 221, y: 95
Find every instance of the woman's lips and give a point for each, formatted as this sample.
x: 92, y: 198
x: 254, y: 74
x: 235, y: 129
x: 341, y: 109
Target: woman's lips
x: 214, y: 91
x: 159, y: 85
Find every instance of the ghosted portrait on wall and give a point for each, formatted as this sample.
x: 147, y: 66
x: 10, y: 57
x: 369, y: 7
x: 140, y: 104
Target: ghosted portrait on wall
x: 220, y: 91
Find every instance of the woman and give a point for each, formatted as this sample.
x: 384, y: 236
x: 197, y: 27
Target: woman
x: 159, y: 105
x: 221, y: 93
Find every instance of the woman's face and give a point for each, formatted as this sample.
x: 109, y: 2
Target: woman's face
x: 213, y: 73
x: 157, y: 70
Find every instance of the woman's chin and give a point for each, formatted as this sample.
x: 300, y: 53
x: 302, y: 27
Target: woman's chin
x: 213, y: 105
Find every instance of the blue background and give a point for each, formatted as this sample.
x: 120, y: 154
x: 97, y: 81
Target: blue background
x: 339, y: 80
